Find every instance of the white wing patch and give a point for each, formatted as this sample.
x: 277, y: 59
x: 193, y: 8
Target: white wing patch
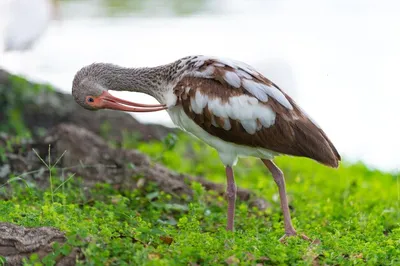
x: 250, y: 126
x: 244, y: 108
x: 243, y: 74
x: 257, y: 89
x: 239, y: 74
x: 227, y: 124
x: 201, y: 100
x: 233, y: 79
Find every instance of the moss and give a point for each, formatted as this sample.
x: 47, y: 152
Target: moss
x: 16, y: 94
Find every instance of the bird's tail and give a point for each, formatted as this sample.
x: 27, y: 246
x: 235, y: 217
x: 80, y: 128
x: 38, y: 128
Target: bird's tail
x: 313, y: 143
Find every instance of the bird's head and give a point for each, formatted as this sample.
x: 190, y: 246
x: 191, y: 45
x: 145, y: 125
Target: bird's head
x: 90, y: 90
x: 89, y: 94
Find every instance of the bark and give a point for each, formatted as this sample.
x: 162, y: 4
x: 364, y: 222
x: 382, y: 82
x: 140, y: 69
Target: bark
x: 17, y: 243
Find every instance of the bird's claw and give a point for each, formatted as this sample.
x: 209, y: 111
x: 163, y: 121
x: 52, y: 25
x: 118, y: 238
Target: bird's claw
x: 292, y: 234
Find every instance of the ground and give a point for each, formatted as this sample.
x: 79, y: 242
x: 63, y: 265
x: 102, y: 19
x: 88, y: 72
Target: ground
x: 352, y: 213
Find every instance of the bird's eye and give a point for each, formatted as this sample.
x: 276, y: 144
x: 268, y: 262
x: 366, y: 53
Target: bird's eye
x: 90, y: 99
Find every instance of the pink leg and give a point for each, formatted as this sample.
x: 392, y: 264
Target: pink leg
x: 280, y: 181
x: 231, y: 196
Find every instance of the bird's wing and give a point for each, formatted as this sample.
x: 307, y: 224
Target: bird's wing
x: 234, y: 102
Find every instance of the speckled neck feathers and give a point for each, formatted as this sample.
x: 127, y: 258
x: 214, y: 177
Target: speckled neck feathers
x: 154, y: 81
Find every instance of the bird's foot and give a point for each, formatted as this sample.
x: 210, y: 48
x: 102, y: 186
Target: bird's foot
x: 292, y: 234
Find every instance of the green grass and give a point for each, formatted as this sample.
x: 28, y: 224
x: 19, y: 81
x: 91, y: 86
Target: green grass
x: 352, y: 212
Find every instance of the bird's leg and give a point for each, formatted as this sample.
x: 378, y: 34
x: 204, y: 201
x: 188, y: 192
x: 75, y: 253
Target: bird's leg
x: 231, y: 196
x: 277, y: 174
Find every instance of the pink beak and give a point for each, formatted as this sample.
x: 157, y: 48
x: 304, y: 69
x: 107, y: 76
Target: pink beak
x: 106, y: 100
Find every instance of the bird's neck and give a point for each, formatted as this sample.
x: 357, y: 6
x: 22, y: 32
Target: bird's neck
x: 146, y: 80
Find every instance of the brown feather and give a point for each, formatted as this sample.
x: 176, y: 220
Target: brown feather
x: 293, y: 132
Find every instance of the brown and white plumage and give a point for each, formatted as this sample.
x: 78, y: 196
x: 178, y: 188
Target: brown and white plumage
x: 238, y: 105
x: 227, y: 104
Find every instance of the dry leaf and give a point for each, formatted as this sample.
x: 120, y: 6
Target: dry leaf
x: 153, y: 256
x: 166, y: 239
x: 232, y: 260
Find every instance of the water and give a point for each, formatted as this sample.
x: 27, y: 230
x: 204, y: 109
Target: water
x: 339, y: 59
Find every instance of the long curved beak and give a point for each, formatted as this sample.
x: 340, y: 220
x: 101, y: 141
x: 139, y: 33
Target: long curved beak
x: 111, y: 102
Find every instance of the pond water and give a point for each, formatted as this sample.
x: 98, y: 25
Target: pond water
x: 339, y: 59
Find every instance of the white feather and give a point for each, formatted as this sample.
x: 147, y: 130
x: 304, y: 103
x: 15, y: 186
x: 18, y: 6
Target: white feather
x: 277, y: 95
x: 170, y: 98
x: 225, y: 61
x: 227, y: 124
x: 255, y: 89
x: 261, y: 91
x: 249, y: 125
x: 217, y: 108
x: 201, y: 100
x: 267, y: 119
x: 195, y: 107
x: 243, y: 74
x: 232, y: 78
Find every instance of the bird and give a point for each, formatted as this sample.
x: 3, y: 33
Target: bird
x: 28, y: 21
x: 225, y: 103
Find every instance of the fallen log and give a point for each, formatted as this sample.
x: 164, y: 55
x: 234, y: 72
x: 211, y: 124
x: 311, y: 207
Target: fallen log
x: 87, y: 155
x: 18, y: 243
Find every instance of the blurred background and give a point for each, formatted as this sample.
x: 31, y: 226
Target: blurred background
x: 338, y: 58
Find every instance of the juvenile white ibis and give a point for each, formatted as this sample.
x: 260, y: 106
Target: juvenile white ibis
x: 227, y: 104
